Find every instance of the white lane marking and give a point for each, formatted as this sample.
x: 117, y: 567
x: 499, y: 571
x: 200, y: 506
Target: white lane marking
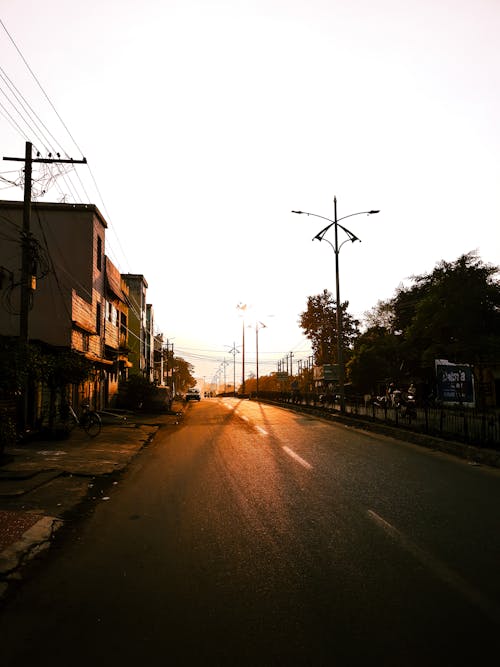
x: 297, y: 458
x: 244, y: 418
x: 261, y: 430
x: 439, y: 569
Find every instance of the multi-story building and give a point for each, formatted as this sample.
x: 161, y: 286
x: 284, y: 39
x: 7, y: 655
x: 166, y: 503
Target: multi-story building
x: 79, y: 301
x: 158, y: 356
x: 116, y: 329
x: 150, y: 343
x: 140, y: 326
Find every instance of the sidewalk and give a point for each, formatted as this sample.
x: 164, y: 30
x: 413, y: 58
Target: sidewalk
x: 43, y: 482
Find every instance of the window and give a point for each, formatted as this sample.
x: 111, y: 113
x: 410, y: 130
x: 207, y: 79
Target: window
x: 98, y: 319
x: 99, y: 253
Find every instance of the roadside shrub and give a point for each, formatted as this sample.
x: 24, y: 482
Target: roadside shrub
x: 138, y: 391
x: 8, y: 433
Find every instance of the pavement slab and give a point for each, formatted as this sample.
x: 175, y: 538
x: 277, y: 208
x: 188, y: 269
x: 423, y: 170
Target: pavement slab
x: 20, y: 485
x: 44, y: 482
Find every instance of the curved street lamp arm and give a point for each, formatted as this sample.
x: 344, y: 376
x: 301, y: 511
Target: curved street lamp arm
x: 351, y: 236
x: 321, y: 234
x: 372, y: 212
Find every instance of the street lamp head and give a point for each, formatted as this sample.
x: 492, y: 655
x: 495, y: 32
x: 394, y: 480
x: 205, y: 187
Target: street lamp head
x: 373, y: 212
x: 299, y: 212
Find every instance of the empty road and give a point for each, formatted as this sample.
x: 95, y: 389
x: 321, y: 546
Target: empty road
x: 251, y: 535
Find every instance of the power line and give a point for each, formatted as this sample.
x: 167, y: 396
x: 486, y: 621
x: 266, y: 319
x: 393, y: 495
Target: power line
x: 40, y: 86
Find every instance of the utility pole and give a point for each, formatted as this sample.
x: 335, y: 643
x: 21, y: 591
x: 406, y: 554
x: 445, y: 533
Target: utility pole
x: 243, y: 363
x: 234, y: 352
x: 224, y: 364
x: 170, y: 351
x: 243, y: 307
x: 28, y: 280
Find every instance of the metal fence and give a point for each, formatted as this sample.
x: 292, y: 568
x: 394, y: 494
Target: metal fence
x: 467, y: 425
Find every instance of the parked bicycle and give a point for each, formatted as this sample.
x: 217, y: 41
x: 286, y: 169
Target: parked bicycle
x: 89, y: 420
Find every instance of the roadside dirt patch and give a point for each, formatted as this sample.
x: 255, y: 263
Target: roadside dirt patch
x: 13, y: 524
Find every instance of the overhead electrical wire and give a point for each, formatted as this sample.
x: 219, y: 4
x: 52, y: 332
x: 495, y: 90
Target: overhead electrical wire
x: 6, y: 114
x: 44, y: 136
x: 38, y: 128
x: 49, y: 143
x: 40, y: 86
x: 52, y: 143
x: 24, y: 102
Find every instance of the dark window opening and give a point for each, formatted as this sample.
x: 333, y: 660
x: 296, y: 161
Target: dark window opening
x: 99, y: 253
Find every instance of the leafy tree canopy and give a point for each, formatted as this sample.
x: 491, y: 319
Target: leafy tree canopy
x: 319, y: 322
x: 377, y: 358
x: 183, y: 373
x: 56, y: 367
x: 452, y: 312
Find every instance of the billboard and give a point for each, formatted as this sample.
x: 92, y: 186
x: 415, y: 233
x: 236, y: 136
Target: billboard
x: 455, y: 383
x: 328, y: 372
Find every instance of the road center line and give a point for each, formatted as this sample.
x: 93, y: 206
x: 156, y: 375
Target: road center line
x: 261, y: 430
x: 439, y: 569
x: 297, y: 458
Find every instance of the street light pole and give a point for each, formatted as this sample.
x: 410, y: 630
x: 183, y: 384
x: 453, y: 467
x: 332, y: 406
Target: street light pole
x: 320, y: 236
x: 338, y: 314
x: 258, y: 325
x: 243, y: 307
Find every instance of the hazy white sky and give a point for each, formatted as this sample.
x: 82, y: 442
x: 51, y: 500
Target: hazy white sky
x: 205, y: 123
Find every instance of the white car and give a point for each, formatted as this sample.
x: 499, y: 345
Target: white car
x: 193, y: 395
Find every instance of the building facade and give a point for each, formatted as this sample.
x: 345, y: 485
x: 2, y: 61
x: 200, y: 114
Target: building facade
x: 140, y: 325
x: 78, y: 301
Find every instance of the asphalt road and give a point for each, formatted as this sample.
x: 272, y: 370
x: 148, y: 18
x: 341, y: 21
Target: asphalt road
x: 253, y: 535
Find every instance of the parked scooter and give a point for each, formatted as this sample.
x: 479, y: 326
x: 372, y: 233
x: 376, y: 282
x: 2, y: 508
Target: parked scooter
x: 380, y: 401
x: 408, y: 403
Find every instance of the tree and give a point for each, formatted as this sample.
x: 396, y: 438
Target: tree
x: 60, y: 369
x: 377, y: 358
x: 457, y: 312
x: 24, y: 365
x: 18, y: 363
x: 319, y: 322
x: 451, y: 313
x: 183, y: 374
x: 381, y: 316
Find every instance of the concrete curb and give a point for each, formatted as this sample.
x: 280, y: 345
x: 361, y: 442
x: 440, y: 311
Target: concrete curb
x: 35, y: 540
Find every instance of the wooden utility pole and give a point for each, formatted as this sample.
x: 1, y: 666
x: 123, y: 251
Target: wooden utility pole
x: 28, y: 280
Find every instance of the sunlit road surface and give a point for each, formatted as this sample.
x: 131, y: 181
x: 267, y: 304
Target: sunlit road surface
x: 255, y: 536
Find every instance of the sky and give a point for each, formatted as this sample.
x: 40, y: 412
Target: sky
x: 205, y: 123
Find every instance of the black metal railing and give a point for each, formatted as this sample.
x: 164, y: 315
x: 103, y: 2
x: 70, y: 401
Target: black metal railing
x: 469, y: 425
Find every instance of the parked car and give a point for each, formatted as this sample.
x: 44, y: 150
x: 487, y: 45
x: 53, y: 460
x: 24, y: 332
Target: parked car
x: 193, y: 395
